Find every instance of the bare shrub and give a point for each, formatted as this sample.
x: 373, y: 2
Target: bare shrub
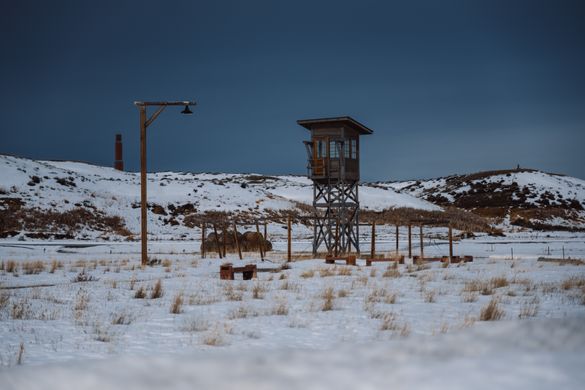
x: 177, y: 304
x: 84, y: 277
x: 157, y: 290
x: 140, y: 293
x: 309, y: 273
x: 491, y: 312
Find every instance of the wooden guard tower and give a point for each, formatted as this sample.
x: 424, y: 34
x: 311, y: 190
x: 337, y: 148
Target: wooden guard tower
x: 334, y: 166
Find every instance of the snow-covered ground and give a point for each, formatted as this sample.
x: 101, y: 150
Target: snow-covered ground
x: 311, y: 326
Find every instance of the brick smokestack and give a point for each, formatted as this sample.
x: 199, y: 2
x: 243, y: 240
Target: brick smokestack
x: 118, y: 162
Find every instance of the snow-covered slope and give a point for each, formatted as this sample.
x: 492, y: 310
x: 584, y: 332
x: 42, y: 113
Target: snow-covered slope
x: 70, y: 186
x: 523, y: 197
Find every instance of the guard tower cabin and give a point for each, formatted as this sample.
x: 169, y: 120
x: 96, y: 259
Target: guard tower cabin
x: 333, y: 166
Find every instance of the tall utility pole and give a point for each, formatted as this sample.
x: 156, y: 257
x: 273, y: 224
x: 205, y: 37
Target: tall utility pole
x: 144, y: 123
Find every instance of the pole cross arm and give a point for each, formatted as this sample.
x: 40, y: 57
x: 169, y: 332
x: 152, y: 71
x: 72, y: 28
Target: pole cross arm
x: 154, y: 116
x: 173, y: 103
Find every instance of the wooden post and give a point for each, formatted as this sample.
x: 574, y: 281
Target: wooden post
x: 409, y: 241
x: 261, y: 246
x: 203, y: 241
x: 289, y: 239
x: 397, y: 231
x: 237, y: 241
x: 224, y: 239
x: 265, y: 231
x: 143, y: 205
x: 336, y: 247
x: 450, y: 244
x: 422, y: 252
x: 373, y: 247
x: 217, y: 241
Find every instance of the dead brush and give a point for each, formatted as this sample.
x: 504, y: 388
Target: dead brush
x: 390, y: 322
x: 84, y: 277
x: 342, y: 293
x: 498, y: 282
x: 376, y: 295
x: 81, y: 304
x: 491, y: 312
x: 306, y: 274
x: 177, y: 304
x: 21, y: 310
x: 166, y: 263
x: 157, y: 290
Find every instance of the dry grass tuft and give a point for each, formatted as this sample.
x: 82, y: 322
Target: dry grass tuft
x: 177, y: 304
x: 33, y: 267
x: 258, y: 291
x: 122, y: 319
x: 328, y: 296
x: 469, y: 297
x: 280, y: 309
x: 573, y: 282
x: 491, y: 312
x: 329, y: 271
x: 391, y: 272
x: 55, y: 265
x: 195, y: 325
x: 157, y: 290
x: 342, y: 293
x: 11, y: 266
x: 140, y: 293
x: 231, y: 294
x: 429, y: 296
x: 214, y: 339
x: 344, y: 271
x: 166, y: 263
x: 306, y: 274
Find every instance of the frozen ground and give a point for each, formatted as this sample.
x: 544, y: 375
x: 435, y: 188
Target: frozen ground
x: 311, y: 326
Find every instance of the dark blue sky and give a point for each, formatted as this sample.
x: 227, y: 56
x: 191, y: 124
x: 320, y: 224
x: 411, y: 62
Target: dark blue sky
x: 447, y: 86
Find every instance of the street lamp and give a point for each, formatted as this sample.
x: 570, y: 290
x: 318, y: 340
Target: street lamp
x: 144, y: 123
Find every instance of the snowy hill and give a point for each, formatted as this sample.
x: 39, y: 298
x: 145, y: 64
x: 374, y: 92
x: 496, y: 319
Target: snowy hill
x: 522, y: 197
x: 89, y: 201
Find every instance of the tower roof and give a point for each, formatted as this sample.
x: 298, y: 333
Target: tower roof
x: 311, y: 124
